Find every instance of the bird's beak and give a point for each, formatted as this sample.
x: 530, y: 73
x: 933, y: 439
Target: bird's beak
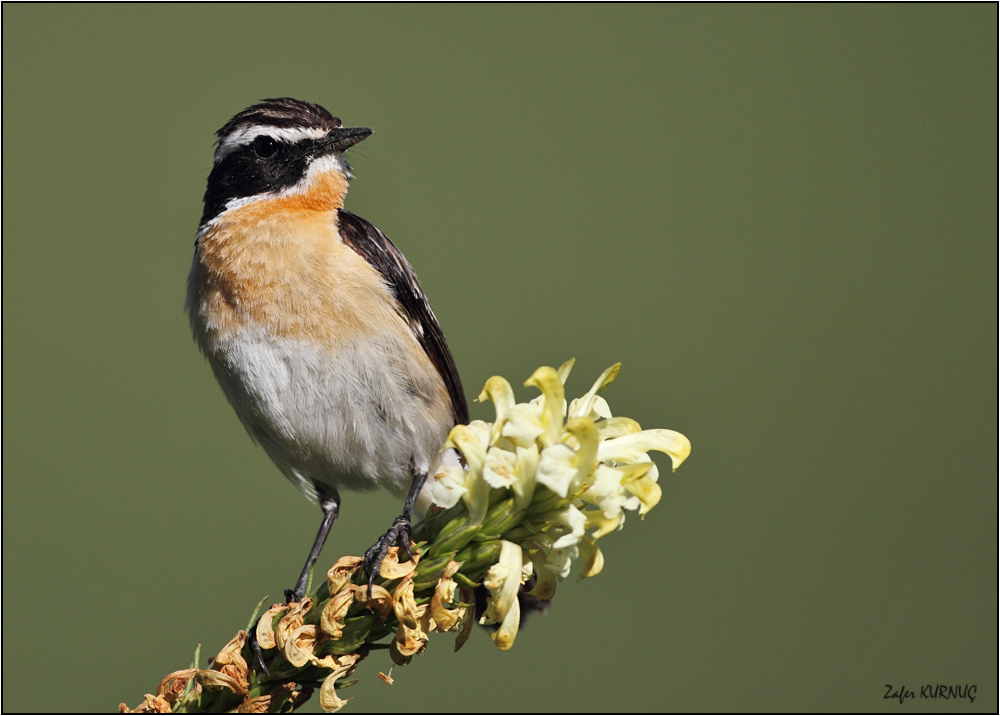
x: 340, y: 139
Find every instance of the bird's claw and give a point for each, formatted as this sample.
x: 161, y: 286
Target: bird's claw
x: 255, y: 647
x: 399, y: 534
x: 290, y: 596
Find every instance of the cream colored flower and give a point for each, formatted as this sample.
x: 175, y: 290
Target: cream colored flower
x: 552, y: 402
x: 557, y: 468
x: 498, y: 390
x: 503, y: 580
x: 585, y: 456
x: 609, y: 493
x: 630, y: 448
x: 591, y: 405
x: 524, y: 424
x: 448, y: 485
x: 563, y: 468
x: 454, y: 483
x: 498, y: 470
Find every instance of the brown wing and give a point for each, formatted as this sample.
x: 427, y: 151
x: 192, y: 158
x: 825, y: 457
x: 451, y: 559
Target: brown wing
x: 376, y: 248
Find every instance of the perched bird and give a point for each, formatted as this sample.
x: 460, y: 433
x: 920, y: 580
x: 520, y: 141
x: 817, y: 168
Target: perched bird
x: 313, y: 321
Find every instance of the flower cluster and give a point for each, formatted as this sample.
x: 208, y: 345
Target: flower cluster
x: 567, y: 470
x: 511, y: 504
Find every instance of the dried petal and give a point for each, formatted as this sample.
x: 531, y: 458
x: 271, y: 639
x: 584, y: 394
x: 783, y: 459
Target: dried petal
x: 341, y: 572
x: 392, y: 568
x: 335, y: 661
x: 591, y: 556
x: 151, y: 704
x: 265, y: 632
x: 379, y: 602
x: 291, y: 621
x: 468, y: 619
x: 396, y: 657
x: 404, y: 604
x: 386, y: 678
x: 211, y: 679
x: 255, y: 705
x: 444, y: 593
x: 331, y: 621
x: 300, y: 644
x: 230, y: 661
x: 410, y: 641
x: 173, y: 685
x: 328, y: 699
x: 298, y: 697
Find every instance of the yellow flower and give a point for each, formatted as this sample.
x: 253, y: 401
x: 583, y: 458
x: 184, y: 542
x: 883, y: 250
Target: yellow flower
x: 595, y: 466
x: 503, y: 580
x: 452, y: 483
x: 633, y: 447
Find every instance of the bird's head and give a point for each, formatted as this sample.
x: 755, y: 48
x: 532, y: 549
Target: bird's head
x: 279, y: 146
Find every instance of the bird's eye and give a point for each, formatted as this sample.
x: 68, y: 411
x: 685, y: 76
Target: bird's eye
x: 265, y: 147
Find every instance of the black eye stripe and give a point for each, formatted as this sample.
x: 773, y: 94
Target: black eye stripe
x: 263, y: 165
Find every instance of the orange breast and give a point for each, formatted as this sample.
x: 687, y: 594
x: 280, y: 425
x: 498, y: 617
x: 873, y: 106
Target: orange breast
x: 280, y: 264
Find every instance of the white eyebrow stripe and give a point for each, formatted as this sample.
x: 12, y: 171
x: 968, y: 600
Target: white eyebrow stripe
x: 245, y: 135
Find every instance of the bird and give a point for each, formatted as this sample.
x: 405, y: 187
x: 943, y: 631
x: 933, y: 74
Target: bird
x: 314, y: 323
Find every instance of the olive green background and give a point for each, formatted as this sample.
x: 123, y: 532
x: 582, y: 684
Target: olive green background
x: 781, y: 219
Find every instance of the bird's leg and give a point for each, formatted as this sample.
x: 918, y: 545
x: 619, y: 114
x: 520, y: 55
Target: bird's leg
x: 399, y: 533
x: 329, y: 502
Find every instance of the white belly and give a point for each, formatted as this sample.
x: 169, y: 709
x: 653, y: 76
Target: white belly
x: 354, y: 418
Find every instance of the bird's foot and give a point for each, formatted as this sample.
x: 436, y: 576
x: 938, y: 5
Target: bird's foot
x: 399, y: 534
x: 291, y: 596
